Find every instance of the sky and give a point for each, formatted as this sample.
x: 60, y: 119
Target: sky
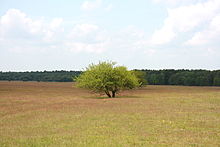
x: 140, y: 34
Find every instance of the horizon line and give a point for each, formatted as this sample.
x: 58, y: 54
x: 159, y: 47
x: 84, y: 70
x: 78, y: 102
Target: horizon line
x: 83, y: 70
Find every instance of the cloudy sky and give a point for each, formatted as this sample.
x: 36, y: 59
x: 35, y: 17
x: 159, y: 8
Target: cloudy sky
x: 140, y: 34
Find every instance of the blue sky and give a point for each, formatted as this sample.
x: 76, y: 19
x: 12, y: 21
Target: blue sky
x: 141, y: 34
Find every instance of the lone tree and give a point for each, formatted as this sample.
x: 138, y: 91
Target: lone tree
x: 108, y: 78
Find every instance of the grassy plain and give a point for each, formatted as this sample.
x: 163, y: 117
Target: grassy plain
x: 58, y: 114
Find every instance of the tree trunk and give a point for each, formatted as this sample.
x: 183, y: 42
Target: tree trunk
x: 107, y: 93
x: 113, y: 93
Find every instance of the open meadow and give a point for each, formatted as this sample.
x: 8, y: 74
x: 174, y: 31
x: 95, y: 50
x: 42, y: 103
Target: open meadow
x: 58, y: 114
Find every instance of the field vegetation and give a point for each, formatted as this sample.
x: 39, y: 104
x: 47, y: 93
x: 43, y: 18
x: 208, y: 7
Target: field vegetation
x: 59, y: 114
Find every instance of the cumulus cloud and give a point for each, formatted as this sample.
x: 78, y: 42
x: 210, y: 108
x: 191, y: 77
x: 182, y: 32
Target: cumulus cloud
x: 130, y: 38
x: 92, y: 38
x: 185, y: 19
x: 209, y: 35
x: 56, y: 23
x: 20, y: 32
x: 87, y: 37
x: 16, y: 24
x: 83, y: 30
x: 88, y: 47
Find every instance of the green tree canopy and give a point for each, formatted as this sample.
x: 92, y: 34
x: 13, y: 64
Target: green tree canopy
x: 141, y: 76
x: 108, y: 78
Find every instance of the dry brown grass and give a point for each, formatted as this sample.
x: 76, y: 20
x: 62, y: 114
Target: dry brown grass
x: 58, y: 114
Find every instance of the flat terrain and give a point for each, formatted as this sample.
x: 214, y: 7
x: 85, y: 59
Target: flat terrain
x: 58, y: 114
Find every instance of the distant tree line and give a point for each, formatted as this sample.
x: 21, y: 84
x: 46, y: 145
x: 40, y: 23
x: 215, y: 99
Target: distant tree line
x: 153, y: 77
x: 183, y: 77
x: 44, y: 76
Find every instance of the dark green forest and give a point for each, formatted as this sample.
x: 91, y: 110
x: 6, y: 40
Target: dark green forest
x: 153, y: 77
x: 183, y: 77
x: 40, y: 76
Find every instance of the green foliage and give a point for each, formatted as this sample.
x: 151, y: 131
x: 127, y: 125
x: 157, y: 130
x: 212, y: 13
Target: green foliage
x: 216, y: 80
x: 183, y: 77
x: 108, y: 78
x: 141, y: 76
x: 45, y: 76
x: 192, y: 78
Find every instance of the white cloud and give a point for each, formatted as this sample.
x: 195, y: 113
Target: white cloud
x: 18, y: 32
x: 87, y: 37
x: 92, y: 38
x: 185, y: 19
x: 16, y: 24
x: 129, y: 38
x: 164, y: 35
x: 209, y: 35
x: 56, y: 23
x: 21, y: 33
x: 83, y: 29
x: 91, y: 5
x: 86, y: 47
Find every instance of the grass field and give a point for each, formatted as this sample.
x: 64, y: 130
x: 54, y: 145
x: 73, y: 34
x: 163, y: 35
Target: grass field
x: 58, y: 114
